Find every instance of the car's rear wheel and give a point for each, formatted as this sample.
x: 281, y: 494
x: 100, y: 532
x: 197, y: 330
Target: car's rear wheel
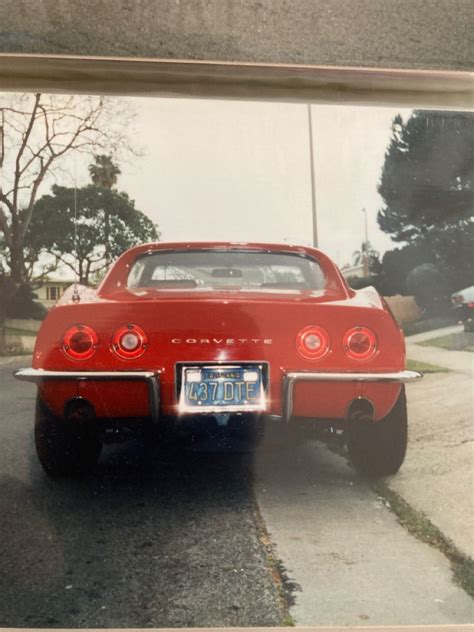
x: 64, y: 448
x: 378, y: 448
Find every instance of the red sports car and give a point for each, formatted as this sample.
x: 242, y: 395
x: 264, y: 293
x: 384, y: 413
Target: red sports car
x: 227, y: 331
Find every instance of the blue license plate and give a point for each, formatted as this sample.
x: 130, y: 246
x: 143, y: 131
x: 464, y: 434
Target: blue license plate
x: 222, y: 388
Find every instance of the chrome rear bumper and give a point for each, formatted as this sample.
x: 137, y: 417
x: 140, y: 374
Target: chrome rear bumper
x: 151, y: 379
x: 292, y: 378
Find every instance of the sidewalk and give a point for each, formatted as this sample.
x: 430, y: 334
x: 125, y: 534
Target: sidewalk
x: 429, y: 335
x: 437, y: 477
x: 458, y: 361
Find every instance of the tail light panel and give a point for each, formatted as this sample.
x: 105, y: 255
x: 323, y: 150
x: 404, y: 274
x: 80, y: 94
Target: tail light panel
x: 80, y: 342
x: 129, y: 342
x: 313, y: 342
x: 360, y: 343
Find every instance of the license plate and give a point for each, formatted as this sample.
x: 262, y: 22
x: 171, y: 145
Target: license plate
x: 222, y: 388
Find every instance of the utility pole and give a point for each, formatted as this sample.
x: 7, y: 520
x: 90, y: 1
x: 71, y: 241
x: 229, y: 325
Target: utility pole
x: 313, y: 184
x: 366, y: 231
x: 366, y: 243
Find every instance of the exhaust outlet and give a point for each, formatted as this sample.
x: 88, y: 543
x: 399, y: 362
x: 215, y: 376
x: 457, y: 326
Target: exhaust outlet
x: 361, y: 410
x: 79, y: 410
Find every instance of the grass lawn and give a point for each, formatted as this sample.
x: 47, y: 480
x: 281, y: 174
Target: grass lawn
x: 425, y: 367
x: 426, y: 324
x: 461, y: 341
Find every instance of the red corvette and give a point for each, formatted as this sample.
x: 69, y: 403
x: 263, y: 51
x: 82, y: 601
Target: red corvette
x: 227, y: 331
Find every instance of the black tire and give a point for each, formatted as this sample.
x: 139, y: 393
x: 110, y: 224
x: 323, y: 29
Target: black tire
x: 64, y: 448
x: 378, y: 448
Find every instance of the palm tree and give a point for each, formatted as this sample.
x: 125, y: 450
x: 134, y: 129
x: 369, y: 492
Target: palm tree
x: 363, y: 256
x: 366, y: 252
x: 104, y: 172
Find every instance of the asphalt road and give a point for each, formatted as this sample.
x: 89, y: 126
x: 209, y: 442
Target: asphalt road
x: 168, y: 543
x: 184, y: 540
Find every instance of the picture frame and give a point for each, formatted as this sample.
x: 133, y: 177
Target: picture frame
x: 126, y: 76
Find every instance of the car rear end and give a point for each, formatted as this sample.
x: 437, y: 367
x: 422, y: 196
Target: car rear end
x: 221, y: 331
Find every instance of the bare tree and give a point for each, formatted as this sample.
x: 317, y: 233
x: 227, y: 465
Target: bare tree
x: 39, y: 131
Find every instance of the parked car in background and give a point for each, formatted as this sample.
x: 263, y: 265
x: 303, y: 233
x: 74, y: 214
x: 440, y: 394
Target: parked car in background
x: 463, y: 302
x: 235, y: 333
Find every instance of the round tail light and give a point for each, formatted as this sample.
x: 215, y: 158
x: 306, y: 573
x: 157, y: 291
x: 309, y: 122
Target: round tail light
x: 129, y: 342
x: 360, y: 343
x: 80, y: 342
x: 313, y: 342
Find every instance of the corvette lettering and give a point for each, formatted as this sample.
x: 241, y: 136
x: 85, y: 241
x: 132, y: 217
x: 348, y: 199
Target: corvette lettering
x: 221, y: 341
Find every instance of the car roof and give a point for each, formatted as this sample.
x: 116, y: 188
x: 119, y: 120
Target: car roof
x: 220, y: 245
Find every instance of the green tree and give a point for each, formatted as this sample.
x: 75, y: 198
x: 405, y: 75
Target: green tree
x: 428, y: 285
x: 107, y: 222
x: 397, y: 264
x: 22, y: 301
x: 428, y: 173
x: 453, y: 247
x: 427, y: 187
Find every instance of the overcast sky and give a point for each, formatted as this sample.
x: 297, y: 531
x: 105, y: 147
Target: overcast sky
x: 240, y: 171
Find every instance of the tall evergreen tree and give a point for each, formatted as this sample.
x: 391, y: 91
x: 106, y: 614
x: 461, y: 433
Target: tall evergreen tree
x: 428, y: 175
x: 427, y: 185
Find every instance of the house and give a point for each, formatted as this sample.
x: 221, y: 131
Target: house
x: 359, y: 271
x: 51, y: 290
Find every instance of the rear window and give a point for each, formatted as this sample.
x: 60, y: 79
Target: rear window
x: 227, y: 270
